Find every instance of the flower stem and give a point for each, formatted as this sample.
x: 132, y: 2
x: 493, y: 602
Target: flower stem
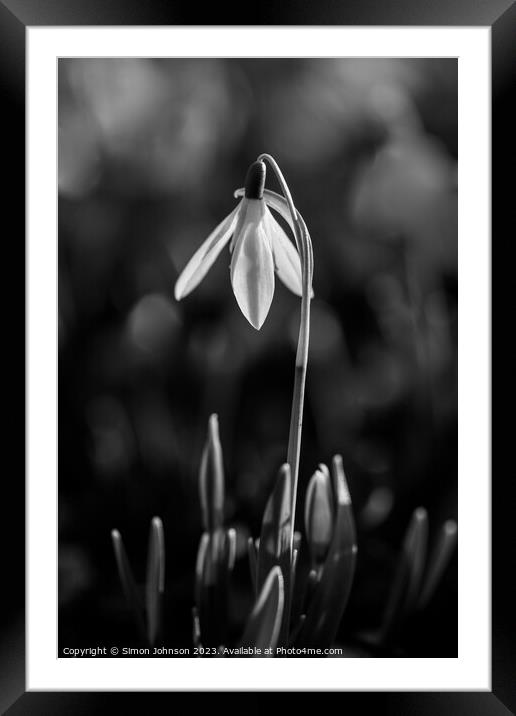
x: 304, y: 247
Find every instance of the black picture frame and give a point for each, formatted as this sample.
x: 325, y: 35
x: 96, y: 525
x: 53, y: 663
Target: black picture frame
x: 15, y: 17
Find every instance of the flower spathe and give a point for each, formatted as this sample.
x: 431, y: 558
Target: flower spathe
x: 259, y: 249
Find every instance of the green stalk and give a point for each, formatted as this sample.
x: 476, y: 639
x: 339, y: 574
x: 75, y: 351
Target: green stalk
x: 304, y: 247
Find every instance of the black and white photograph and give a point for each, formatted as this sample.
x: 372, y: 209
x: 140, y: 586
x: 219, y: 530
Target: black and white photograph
x: 256, y: 388
x: 257, y: 357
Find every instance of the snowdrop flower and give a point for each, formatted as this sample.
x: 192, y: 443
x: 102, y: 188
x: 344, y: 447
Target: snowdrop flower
x: 259, y: 248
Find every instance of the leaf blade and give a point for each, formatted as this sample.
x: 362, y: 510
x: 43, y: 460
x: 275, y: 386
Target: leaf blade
x: 127, y: 581
x: 263, y: 627
x: 155, y: 583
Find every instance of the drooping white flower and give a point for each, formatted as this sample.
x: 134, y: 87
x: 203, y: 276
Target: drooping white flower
x: 259, y: 248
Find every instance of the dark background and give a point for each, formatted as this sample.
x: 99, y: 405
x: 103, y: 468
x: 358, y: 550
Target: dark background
x: 150, y: 152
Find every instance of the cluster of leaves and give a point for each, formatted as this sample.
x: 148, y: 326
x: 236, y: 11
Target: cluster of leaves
x: 301, y: 582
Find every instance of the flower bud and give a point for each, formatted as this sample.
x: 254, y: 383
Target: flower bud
x: 319, y: 514
x: 211, y: 478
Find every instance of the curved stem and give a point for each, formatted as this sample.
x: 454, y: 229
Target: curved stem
x: 304, y: 246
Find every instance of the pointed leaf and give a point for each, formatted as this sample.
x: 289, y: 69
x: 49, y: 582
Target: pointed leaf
x: 128, y: 583
x: 274, y: 547
x: 215, y: 559
x: 155, y: 585
x: 263, y: 627
x: 196, y: 628
x: 443, y: 552
x: 253, y: 561
x: 409, y: 573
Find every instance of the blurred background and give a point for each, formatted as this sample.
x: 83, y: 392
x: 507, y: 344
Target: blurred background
x: 150, y: 152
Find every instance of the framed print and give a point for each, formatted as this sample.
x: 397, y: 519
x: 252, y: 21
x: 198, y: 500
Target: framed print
x: 290, y: 458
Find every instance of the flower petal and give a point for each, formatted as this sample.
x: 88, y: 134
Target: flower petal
x: 286, y: 259
x: 252, y: 263
x: 202, y: 260
x: 279, y: 204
